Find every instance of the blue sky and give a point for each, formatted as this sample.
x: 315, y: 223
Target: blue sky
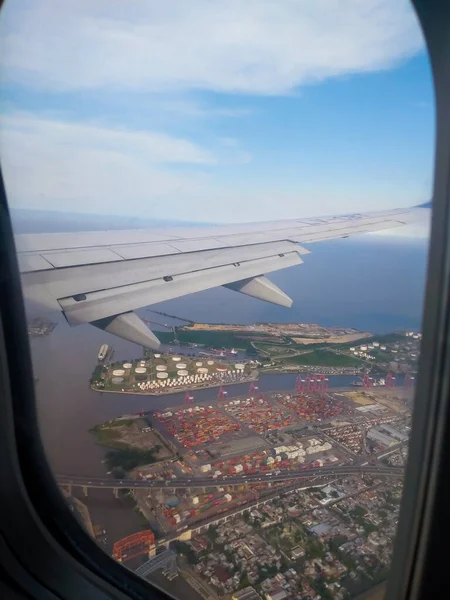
x: 239, y: 111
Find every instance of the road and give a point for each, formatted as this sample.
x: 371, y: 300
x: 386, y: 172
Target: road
x: 201, y: 482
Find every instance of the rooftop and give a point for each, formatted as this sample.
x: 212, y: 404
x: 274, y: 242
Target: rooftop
x: 248, y: 593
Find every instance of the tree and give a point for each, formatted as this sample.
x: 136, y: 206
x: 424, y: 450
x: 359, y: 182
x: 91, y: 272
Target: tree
x: 337, y: 541
x: 321, y: 589
x: 298, y: 537
x: 119, y: 473
x: 186, y: 550
x: 129, y: 458
x: 213, y: 533
x: 369, y: 527
x: 315, y: 549
x: 358, y: 511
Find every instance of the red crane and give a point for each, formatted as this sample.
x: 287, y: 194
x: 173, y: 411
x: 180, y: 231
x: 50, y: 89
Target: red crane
x: 221, y: 394
x: 367, y: 381
x: 188, y: 399
x: 390, y: 381
x: 252, y: 388
x: 319, y: 383
x: 409, y: 380
x: 134, y: 545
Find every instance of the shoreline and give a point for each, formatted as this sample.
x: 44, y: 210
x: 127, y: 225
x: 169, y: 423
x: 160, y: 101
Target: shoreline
x: 175, y: 390
x: 309, y: 369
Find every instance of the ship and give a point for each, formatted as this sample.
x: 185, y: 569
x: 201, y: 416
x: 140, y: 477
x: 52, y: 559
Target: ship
x: 219, y: 353
x: 102, y: 352
x: 356, y: 383
x: 376, y: 383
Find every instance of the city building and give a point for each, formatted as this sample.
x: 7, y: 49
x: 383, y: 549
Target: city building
x: 276, y: 594
x: 248, y: 593
x: 379, y: 437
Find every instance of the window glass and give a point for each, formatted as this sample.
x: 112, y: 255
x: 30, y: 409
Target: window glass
x: 224, y: 363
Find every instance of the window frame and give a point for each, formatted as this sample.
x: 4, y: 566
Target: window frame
x: 48, y: 554
x: 417, y: 566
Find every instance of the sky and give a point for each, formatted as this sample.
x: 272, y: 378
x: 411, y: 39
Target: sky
x: 230, y: 111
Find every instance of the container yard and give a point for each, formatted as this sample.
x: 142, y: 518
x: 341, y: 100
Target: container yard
x: 254, y: 434
x: 304, y: 453
x: 166, y: 373
x: 196, y: 425
x: 258, y: 414
x: 242, y: 424
x: 317, y: 407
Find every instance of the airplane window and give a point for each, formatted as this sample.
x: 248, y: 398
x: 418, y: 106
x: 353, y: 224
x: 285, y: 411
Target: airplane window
x: 221, y: 217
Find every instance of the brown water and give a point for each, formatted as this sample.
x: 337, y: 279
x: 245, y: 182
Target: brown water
x: 68, y: 408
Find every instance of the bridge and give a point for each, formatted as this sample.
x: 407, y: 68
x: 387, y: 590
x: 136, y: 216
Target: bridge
x: 167, y: 561
x: 234, y: 480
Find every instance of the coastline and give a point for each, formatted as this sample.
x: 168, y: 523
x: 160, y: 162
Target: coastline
x: 167, y: 392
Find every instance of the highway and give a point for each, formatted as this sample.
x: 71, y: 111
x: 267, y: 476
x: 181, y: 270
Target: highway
x: 201, y: 482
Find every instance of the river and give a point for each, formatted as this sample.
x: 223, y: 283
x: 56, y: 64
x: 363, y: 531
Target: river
x: 376, y: 294
x: 68, y: 408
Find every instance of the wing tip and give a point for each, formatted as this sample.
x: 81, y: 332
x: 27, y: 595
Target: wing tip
x: 428, y: 204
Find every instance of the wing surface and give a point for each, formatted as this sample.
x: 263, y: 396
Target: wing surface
x: 101, y: 277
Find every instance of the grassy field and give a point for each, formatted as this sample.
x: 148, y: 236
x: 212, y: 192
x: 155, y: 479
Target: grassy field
x: 130, y: 435
x: 285, y: 536
x: 212, y: 339
x: 323, y: 358
x: 359, y: 398
x: 275, y: 350
x: 110, y: 434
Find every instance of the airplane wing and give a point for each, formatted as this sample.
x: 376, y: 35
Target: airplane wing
x: 101, y: 277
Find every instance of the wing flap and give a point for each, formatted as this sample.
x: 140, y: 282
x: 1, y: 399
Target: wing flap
x: 261, y: 288
x: 131, y: 251
x: 105, y: 303
x: 73, y: 258
x: 32, y: 262
x: 344, y: 231
x: 63, y: 282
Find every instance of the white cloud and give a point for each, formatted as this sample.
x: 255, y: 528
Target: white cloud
x: 54, y: 164
x: 168, y: 50
x: 61, y: 165
x: 150, y: 146
x: 249, y: 46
